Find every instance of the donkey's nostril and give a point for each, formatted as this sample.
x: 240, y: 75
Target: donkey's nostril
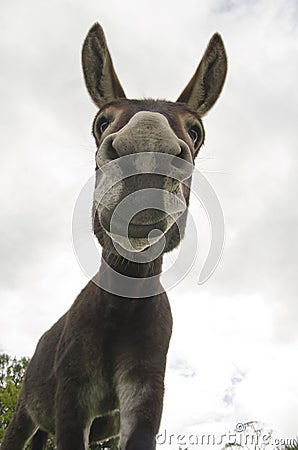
x: 185, y: 153
x: 180, y: 168
x: 182, y: 164
x: 177, y: 161
x: 111, y: 152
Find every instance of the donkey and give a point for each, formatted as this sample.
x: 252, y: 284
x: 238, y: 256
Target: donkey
x: 99, y: 371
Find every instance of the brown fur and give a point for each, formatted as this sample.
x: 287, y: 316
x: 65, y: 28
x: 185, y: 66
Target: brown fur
x: 99, y: 371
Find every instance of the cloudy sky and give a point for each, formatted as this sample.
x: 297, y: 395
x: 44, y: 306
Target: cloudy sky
x: 234, y: 348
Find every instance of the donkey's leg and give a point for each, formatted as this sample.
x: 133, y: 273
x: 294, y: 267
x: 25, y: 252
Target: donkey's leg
x: 72, y: 418
x: 39, y: 440
x: 19, y: 430
x: 141, y: 403
x: 105, y: 427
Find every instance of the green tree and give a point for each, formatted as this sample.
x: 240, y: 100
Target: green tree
x: 291, y: 446
x: 256, y: 435
x: 112, y: 444
x: 12, y: 372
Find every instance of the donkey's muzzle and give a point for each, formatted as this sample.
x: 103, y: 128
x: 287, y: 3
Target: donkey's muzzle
x: 113, y: 223
x: 139, y: 187
x: 152, y: 146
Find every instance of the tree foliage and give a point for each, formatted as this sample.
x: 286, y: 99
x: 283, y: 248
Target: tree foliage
x: 12, y: 372
x: 256, y: 435
x: 293, y: 445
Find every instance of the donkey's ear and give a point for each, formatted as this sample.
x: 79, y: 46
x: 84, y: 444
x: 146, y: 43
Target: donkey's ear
x: 100, y: 77
x: 205, y: 86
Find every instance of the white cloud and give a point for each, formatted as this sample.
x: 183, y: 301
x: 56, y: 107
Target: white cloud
x: 242, y: 323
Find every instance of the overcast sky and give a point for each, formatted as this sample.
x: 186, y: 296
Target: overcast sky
x: 234, y: 348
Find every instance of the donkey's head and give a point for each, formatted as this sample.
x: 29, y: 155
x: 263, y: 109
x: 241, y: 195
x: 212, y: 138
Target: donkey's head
x: 146, y: 149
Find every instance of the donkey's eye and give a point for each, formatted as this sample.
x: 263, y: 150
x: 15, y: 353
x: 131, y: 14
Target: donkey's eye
x: 103, y: 125
x: 195, y: 134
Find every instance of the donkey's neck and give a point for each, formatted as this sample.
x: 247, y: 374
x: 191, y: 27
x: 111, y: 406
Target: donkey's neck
x: 119, y: 275
x: 130, y: 268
